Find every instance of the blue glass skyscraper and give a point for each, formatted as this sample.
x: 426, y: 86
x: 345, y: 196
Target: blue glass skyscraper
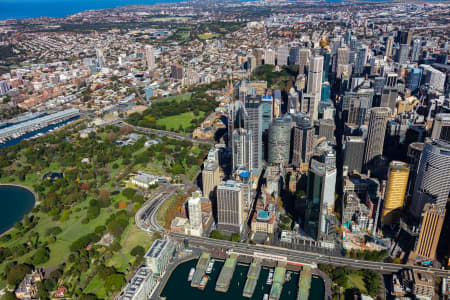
x: 414, y: 78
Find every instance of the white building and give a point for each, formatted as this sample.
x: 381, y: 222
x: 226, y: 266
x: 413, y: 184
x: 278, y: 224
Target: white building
x: 195, y: 226
x: 140, y: 287
x: 158, y: 256
x: 144, y: 180
x: 434, y: 78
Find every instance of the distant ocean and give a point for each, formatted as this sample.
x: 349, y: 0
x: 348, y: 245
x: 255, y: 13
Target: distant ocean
x: 22, y: 9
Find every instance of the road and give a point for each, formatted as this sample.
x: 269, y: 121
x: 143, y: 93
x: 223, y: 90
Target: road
x: 150, y: 208
x: 169, y: 134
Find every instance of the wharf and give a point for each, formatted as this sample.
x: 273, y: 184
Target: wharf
x: 252, y: 278
x: 200, y: 269
x: 304, y: 283
x: 278, y: 281
x: 223, y: 282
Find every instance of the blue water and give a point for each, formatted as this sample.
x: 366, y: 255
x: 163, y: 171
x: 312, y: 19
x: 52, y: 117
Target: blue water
x: 16, y: 202
x: 34, y: 133
x: 22, y: 9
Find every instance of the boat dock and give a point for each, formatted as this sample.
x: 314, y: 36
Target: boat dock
x: 252, y: 278
x: 200, y: 269
x: 278, y: 281
x: 223, y: 282
x: 304, y: 283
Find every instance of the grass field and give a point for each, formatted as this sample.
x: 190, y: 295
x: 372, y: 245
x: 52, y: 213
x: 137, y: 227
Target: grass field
x: 208, y: 36
x: 356, y: 280
x: 174, y: 122
x: 177, y: 98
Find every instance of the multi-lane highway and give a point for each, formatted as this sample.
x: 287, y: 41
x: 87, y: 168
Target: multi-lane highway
x: 147, y: 214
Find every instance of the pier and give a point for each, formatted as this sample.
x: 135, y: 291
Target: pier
x: 278, y: 281
x: 304, y: 283
x: 19, y: 129
x: 252, y: 278
x: 200, y: 269
x: 223, y: 282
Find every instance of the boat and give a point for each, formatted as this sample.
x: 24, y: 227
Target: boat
x: 288, y: 276
x: 191, y: 274
x: 203, y: 282
x: 266, y: 297
x: 270, y: 278
x: 210, y: 266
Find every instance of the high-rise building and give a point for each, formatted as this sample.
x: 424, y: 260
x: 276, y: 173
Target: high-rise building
x: 376, y: 133
x: 395, y: 192
x: 230, y: 207
x: 326, y: 63
x: 433, y: 177
x: 294, y: 55
x: 251, y: 63
x: 279, y: 141
x: 259, y: 56
x: 4, y: 87
x: 195, y: 215
x: 378, y: 85
x: 210, y: 178
x: 276, y: 103
x: 441, y: 127
x: 315, y: 83
x: 242, y: 149
x: 342, y: 57
x: 414, y: 78
x: 389, y: 46
x: 303, y: 60
x: 432, y: 220
x: 416, y: 49
x: 433, y: 77
x: 269, y: 57
x: 253, y: 124
x: 390, y: 92
x: 176, y: 71
x: 326, y: 129
x: 402, y: 54
x: 354, y: 153
x: 150, y: 57
x: 282, y: 55
x: 404, y: 37
x: 414, y: 153
x: 303, y: 138
x: 100, y: 57
x: 267, y: 113
x: 361, y: 56
x: 320, y: 191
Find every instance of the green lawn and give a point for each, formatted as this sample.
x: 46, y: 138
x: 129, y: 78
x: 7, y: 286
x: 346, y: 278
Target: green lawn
x: 95, y: 286
x: 208, y: 36
x: 356, y: 280
x: 177, y: 98
x: 174, y: 122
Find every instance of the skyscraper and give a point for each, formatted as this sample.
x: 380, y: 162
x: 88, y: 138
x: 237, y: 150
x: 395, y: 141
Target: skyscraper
x: 320, y: 193
x: 441, y: 127
x: 390, y: 92
x: 376, y: 133
x: 303, y: 138
x: 315, y: 83
x: 414, y: 78
x: 416, y: 49
x: 303, y: 60
x: 210, y: 178
x: 433, y: 177
x: 342, y: 57
x: 267, y: 113
x: 150, y: 57
x: 242, y: 149
x: 269, y: 57
x: 326, y: 63
x: 253, y: 124
x: 276, y: 103
x: 389, y: 46
x: 195, y: 215
x: 354, y: 153
x: 395, y: 192
x: 360, y: 62
x: 431, y: 223
x: 100, y: 57
x: 294, y: 55
x: 282, y: 55
x: 403, y: 53
x: 279, y: 141
x: 230, y: 207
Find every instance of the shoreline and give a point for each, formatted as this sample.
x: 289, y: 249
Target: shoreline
x: 36, y: 201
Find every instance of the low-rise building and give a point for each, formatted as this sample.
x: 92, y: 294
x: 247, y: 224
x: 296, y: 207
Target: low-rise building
x: 263, y: 222
x: 28, y: 287
x: 158, y: 256
x: 140, y: 287
x: 144, y: 180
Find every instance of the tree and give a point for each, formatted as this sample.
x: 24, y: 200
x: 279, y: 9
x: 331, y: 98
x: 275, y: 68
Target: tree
x: 41, y: 256
x: 138, y: 251
x: 16, y: 274
x: 87, y: 297
x: 129, y: 193
x: 9, y: 296
x: 114, y: 283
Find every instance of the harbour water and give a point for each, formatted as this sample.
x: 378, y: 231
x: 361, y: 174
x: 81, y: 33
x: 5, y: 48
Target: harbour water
x: 16, y: 202
x: 35, y: 133
x: 178, y: 287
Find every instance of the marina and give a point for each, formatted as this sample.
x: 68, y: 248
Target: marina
x: 25, y: 127
x: 278, y: 281
x: 178, y: 287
